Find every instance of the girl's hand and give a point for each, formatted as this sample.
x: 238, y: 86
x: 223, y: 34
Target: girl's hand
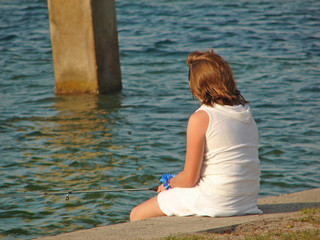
x: 161, y: 188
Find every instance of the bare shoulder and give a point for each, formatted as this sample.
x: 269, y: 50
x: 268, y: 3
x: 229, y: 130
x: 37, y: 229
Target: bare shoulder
x: 199, y: 116
x: 199, y: 120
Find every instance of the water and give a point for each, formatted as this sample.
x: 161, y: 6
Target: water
x: 128, y: 139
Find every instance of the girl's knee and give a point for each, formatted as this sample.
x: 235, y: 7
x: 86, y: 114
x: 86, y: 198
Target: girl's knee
x: 134, y: 214
x: 147, y: 209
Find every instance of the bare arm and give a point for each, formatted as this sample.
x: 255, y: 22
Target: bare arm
x: 196, y: 132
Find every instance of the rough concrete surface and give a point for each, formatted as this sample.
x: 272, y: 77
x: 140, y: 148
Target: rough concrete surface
x: 273, y: 207
x: 85, y: 50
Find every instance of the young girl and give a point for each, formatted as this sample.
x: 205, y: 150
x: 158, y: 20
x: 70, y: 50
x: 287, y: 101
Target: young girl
x: 221, y: 172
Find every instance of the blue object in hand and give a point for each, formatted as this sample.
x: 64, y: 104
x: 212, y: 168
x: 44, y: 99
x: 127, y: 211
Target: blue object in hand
x: 165, y: 180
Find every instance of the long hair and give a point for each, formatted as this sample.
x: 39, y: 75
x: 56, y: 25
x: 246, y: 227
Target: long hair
x: 211, y: 79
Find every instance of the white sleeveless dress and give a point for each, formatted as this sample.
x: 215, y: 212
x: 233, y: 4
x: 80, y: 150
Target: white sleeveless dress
x: 230, y: 172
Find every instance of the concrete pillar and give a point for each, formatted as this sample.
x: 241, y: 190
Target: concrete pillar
x: 85, y: 48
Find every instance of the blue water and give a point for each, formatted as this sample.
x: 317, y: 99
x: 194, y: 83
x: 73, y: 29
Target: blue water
x: 128, y: 139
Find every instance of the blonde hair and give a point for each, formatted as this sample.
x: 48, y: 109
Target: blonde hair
x: 211, y: 79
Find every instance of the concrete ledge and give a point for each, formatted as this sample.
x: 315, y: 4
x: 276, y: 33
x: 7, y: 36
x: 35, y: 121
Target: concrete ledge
x: 273, y: 207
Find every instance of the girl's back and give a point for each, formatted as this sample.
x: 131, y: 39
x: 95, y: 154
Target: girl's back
x: 231, y: 165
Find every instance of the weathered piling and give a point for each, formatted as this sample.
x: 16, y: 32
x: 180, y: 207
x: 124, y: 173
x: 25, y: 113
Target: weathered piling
x: 85, y: 48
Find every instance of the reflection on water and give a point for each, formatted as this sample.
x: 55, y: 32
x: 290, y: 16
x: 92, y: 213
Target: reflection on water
x: 80, y: 126
x: 72, y: 140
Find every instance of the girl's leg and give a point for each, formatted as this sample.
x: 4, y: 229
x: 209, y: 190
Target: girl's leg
x: 147, y: 209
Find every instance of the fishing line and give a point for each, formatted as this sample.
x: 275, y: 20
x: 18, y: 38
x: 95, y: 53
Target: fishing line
x: 67, y: 197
